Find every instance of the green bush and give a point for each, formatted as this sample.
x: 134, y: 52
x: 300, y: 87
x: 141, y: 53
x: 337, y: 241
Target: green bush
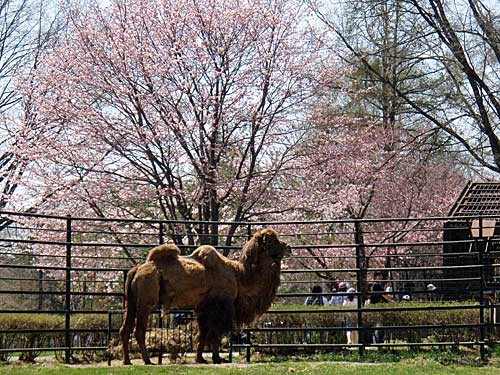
x: 31, y: 321
x: 56, y: 339
x: 29, y: 340
x: 180, y: 339
x: 336, y: 317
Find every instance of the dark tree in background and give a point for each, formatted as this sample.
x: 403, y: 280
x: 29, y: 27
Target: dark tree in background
x: 26, y: 28
x: 432, y: 66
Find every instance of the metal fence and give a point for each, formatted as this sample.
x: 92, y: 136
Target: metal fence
x: 61, y: 284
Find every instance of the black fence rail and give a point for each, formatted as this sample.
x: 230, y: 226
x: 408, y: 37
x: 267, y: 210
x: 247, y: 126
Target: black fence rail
x: 61, y: 284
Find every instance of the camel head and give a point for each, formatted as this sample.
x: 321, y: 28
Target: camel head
x: 269, y: 241
x: 264, y: 244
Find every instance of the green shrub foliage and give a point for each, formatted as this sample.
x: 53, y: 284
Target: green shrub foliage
x: 178, y: 339
x: 401, y: 320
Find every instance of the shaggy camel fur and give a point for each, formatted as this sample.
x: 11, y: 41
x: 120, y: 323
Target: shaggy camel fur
x: 223, y: 292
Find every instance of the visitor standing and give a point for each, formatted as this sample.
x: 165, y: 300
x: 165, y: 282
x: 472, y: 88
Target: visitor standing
x: 378, y: 295
x: 316, y: 298
x: 338, y: 298
x: 351, y: 300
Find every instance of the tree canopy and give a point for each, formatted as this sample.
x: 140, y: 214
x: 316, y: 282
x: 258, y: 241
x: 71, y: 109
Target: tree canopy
x: 279, y: 109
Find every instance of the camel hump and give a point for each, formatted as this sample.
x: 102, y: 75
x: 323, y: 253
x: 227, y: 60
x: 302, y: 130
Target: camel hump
x: 164, y: 253
x: 207, y: 255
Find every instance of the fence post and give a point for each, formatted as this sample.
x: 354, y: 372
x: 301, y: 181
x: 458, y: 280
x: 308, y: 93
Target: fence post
x: 110, y: 322
x: 248, y: 345
x: 40, y: 290
x: 231, y: 335
x: 482, y: 334
x: 161, y: 234
x: 67, y: 300
x: 160, y: 327
x: 249, y: 231
x: 358, y: 237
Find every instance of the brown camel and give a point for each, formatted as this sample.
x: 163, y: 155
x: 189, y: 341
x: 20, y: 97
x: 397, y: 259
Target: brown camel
x: 223, y: 292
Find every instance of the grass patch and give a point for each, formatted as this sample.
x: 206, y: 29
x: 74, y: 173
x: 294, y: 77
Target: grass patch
x: 461, y: 357
x: 303, y: 367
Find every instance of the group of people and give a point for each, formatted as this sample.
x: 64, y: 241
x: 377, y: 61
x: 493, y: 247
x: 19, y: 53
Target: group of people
x: 337, y: 299
x: 344, y: 296
x: 380, y: 292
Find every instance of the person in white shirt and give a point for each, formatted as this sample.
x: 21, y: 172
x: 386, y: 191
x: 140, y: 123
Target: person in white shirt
x: 338, y: 300
x: 351, y: 300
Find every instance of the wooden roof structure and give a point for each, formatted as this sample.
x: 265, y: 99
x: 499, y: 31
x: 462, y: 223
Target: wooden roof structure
x: 478, y: 198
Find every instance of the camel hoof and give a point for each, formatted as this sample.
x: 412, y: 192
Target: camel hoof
x: 127, y: 363
x: 201, y: 361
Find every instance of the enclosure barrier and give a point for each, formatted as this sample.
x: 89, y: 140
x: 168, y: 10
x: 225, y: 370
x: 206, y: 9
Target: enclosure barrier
x: 61, y: 281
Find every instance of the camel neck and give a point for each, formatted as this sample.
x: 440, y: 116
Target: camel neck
x: 259, y: 275
x: 258, y: 281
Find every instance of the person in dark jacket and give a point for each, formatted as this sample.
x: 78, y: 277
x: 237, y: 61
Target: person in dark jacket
x: 316, y: 298
x: 378, y: 296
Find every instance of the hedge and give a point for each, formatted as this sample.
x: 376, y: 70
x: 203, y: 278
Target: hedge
x: 50, y: 322
x: 180, y: 339
x: 396, y: 315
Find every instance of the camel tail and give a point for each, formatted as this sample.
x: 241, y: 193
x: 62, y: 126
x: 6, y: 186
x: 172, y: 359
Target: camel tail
x: 128, y: 284
x: 164, y: 253
x: 130, y: 298
x: 130, y: 315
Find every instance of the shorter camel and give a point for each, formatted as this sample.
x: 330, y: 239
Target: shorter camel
x: 224, y: 293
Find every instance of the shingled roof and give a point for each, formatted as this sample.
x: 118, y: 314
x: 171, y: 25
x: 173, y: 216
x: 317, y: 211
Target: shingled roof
x: 478, y: 198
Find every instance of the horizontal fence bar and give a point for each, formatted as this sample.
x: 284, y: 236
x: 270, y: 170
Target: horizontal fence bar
x: 388, y: 269
x: 370, y: 308
x: 57, y: 330
x: 254, y: 223
x: 13, y: 311
x: 395, y: 281
x: 298, y: 270
x: 54, y: 349
x: 385, y: 328
x: 43, y: 292
x: 402, y: 345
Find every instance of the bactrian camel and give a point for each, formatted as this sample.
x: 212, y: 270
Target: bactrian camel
x: 224, y: 293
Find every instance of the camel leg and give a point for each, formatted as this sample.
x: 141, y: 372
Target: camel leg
x: 140, y: 333
x: 215, y: 316
x: 201, y: 346
x: 125, y: 331
x: 216, y: 359
x: 147, y: 290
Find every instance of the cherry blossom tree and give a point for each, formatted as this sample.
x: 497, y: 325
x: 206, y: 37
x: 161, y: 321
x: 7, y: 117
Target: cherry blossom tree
x: 360, y: 169
x: 170, y: 109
